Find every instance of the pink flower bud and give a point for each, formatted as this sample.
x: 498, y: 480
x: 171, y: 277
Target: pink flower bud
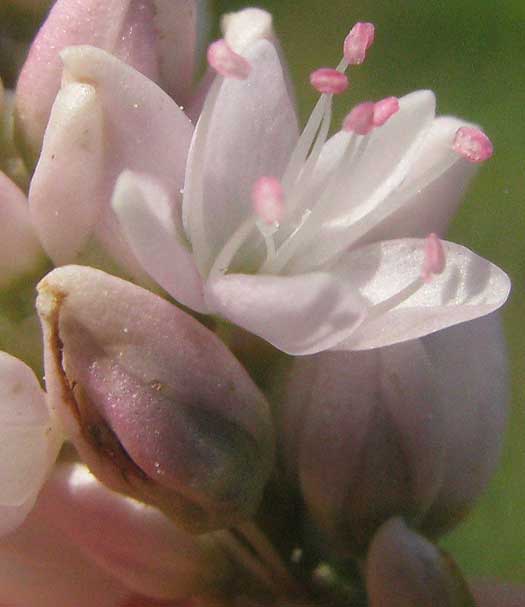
x: 156, y: 405
x: 411, y: 430
x: 403, y: 569
x: 124, y: 28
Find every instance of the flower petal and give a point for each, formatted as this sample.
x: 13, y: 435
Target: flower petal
x: 247, y: 130
x: 123, y: 28
x: 20, y: 251
x: 64, y: 197
x: 139, y: 125
x: 371, y: 177
x: 297, y: 314
x: 469, y: 287
x: 143, y: 208
x: 429, y: 197
x: 177, y: 24
x: 133, y: 542
x: 40, y: 566
x: 11, y: 517
x: 28, y: 436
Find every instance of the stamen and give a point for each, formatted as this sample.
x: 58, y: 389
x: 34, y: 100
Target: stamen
x: 361, y: 119
x: 472, y: 144
x: 329, y: 80
x: 435, y: 260
x: 268, y: 200
x: 227, y: 62
x: 358, y: 41
x: 385, y: 109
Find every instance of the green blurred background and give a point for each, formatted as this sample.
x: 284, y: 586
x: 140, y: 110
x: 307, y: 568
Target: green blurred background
x: 472, y: 54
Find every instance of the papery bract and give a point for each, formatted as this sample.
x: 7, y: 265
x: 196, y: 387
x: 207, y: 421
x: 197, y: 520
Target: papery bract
x: 154, y: 402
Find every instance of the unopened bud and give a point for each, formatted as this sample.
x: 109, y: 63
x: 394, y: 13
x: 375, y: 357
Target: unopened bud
x: 156, y: 405
x: 403, y: 569
x: 411, y: 430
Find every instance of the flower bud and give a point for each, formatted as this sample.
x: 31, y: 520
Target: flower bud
x: 405, y: 570
x: 156, y: 37
x: 156, y: 405
x: 410, y: 430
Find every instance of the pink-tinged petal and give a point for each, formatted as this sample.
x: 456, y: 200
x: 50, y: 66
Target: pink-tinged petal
x: 367, y: 182
x: 297, y: 314
x: 144, y: 130
x: 387, y: 273
x: 123, y: 28
x: 40, y: 566
x: 29, y: 437
x: 64, y: 195
x: 404, y: 569
x: 470, y: 365
x: 163, y: 411
x: 133, y: 542
x: 20, y: 250
x: 177, y: 25
x: 430, y: 195
x: 247, y: 130
x: 364, y: 433
x: 144, y: 212
x: 11, y: 517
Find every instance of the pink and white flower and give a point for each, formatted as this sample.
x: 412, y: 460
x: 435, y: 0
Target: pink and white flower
x: 346, y: 265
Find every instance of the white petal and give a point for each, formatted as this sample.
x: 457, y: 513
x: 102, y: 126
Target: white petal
x: 469, y: 287
x: 65, y: 189
x: 297, y: 314
x: 367, y: 183
x: 145, y: 214
x: 28, y: 437
x: 247, y: 130
x: 429, y: 197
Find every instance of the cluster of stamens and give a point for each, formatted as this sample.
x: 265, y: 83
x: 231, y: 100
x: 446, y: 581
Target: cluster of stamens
x: 274, y: 199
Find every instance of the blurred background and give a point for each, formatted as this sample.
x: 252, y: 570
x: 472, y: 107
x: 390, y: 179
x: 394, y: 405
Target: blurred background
x: 472, y: 55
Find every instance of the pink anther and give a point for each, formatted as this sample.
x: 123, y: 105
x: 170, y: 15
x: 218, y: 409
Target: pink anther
x: 328, y: 80
x: 385, y: 109
x: 268, y: 200
x: 435, y: 259
x: 361, y: 119
x: 358, y: 41
x: 473, y: 144
x: 227, y: 62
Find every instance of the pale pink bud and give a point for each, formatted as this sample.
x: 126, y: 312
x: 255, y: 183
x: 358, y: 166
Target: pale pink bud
x: 226, y: 61
x: 403, y: 569
x: 124, y: 28
x: 413, y: 430
x: 154, y: 402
